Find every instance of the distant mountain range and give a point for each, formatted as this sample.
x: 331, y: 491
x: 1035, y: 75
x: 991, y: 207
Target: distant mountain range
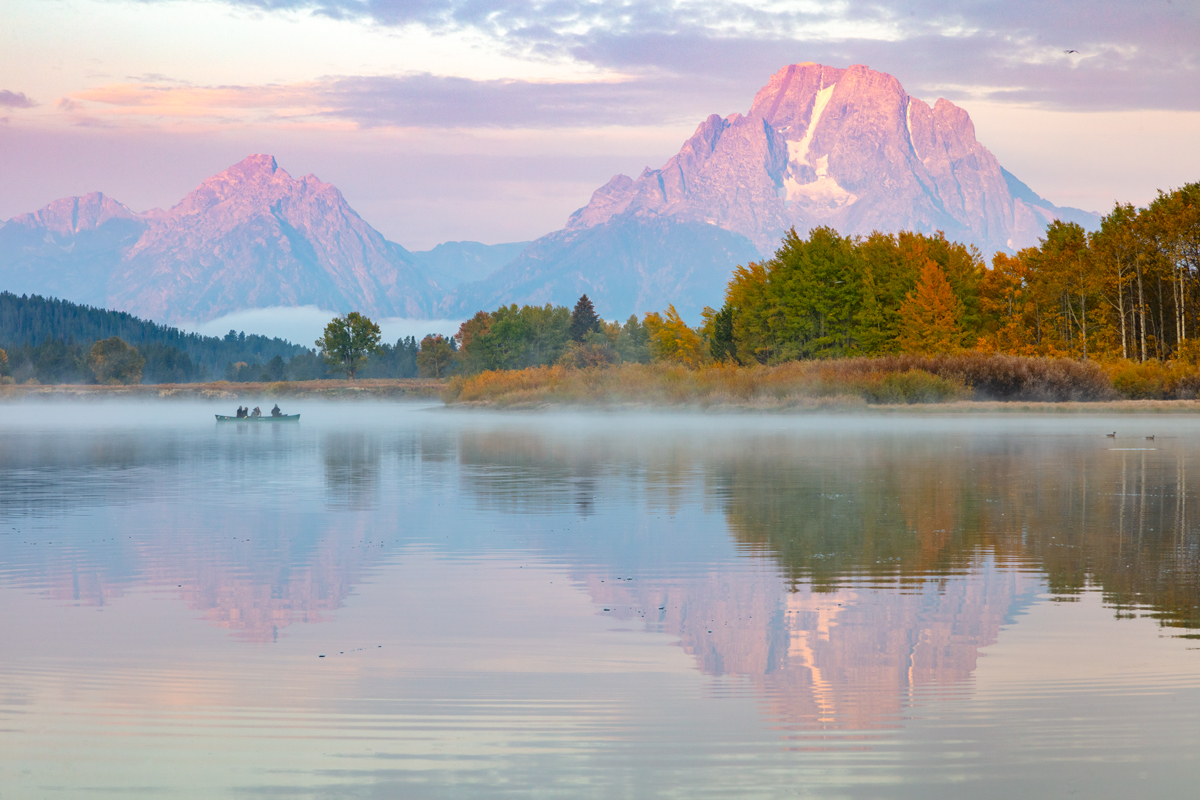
x: 820, y: 146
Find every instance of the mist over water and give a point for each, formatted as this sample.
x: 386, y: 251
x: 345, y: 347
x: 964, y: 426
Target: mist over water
x: 399, y: 600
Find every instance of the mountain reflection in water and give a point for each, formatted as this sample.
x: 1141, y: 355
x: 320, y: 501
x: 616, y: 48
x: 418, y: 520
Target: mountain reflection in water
x: 833, y: 568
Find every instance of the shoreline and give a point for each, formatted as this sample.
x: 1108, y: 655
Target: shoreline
x: 852, y: 406
x: 404, y: 389
x: 365, y: 389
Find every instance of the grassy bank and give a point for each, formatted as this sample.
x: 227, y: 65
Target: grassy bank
x: 253, y: 393
x: 846, y: 383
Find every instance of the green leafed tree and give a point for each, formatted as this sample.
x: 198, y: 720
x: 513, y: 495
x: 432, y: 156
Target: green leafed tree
x: 113, y: 361
x: 633, y: 342
x: 435, y: 357
x: 347, y: 342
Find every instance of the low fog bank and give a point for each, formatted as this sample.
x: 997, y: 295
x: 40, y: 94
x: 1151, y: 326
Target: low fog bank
x: 58, y: 413
x: 303, y: 325
x: 583, y: 429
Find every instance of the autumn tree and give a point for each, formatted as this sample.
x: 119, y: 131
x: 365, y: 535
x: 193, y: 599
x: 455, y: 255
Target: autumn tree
x: 435, y: 357
x: 931, y: 315
x: 672, y: 340
x: 1009, y: 316
x: 1116, y: 251
x: 113, y: 361
x: 347, y: 342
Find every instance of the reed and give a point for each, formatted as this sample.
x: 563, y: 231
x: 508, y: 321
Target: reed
x: 902, y: 379
x: 797, y: 383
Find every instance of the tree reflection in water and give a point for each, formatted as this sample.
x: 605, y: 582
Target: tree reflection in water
x: 887, y: 562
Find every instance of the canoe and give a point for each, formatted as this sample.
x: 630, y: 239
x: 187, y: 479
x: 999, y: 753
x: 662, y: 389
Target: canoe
x: 263, y: 418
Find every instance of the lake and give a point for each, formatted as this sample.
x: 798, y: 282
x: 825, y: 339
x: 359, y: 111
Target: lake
x: 405, y: 601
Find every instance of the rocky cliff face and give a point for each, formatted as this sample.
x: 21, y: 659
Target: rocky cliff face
x: 249, y: 237
x: 69, y: 248
x: 253, y: 237
x: 847, y: 148
x: 819, y: 145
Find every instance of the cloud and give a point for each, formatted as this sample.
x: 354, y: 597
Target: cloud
x: 433, y: 101
x: 304, y: 324
x: 1131, y: 54
x: 15, y: 100
x: 418, y: 101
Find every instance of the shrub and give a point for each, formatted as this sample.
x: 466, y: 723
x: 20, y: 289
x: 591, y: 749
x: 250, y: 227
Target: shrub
x: 1003, y: 377
x: 911, y: 386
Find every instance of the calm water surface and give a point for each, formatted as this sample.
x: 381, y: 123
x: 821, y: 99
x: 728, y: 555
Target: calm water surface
x: 397, y: 601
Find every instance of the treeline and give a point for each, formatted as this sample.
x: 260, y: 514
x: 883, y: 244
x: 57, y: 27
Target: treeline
x: 513, y: 337
x: 1130, y: 290
x: 1126, y: 296
x: 51, y: 341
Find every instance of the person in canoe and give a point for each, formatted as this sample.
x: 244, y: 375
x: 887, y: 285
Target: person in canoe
x: 257, y: 412
x: 275, y: 412
x: 241, y: 412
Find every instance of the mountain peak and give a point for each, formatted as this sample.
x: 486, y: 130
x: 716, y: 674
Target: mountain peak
x: 259, y: 162
x: 844, y: 147
x: 254, y: 235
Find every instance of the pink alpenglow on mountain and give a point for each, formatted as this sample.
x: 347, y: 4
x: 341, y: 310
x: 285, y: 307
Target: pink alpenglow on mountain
x: 253, y: 237
x: 848, y: 148
x: 249, y: 237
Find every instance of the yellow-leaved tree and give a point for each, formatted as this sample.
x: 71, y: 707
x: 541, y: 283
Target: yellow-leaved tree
x: 672, y: 340
x: 931, y: 315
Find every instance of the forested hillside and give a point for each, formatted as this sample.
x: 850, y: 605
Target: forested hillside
x: 49, y: 340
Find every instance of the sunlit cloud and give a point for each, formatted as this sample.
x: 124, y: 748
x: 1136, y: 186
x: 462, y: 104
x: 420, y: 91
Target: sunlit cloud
x: 1129, y: 54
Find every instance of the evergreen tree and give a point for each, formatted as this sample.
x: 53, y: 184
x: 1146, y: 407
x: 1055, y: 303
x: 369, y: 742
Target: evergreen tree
x: 873, y: 335
x: 583, y: 320
x: 931, y: 315
x: 719, y: 325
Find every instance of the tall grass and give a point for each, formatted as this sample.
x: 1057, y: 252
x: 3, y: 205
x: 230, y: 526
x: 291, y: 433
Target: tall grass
x: 1004, y: 377
x: 890, y: 379
x: 795, y: 383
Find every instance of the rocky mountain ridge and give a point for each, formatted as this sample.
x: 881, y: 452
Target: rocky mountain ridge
x: 251, y: 236
x: 848, y: 148
x: 820, y: 145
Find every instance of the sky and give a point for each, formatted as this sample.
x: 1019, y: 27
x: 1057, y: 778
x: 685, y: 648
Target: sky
x: 493, y: 120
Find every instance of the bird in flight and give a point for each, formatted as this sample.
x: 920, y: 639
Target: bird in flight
x: 1071, y: 51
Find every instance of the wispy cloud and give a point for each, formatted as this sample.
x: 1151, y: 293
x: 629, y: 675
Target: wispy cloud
x: 414, y: 101
x: 15, y: 100
x: 1131, y: 54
